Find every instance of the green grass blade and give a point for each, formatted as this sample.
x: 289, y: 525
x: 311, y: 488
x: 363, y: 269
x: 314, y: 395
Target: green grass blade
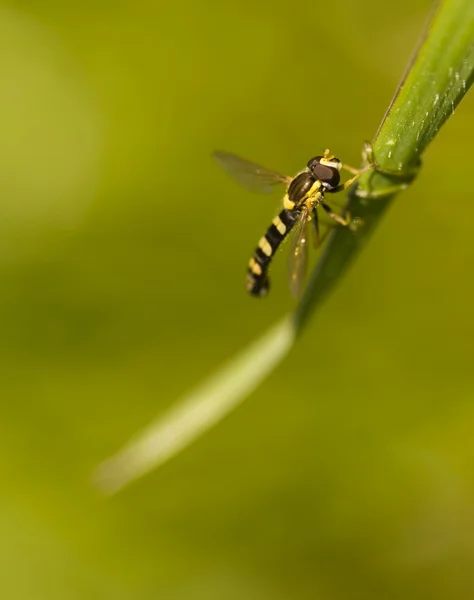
x: 194, y: 414
x: 440, y: 74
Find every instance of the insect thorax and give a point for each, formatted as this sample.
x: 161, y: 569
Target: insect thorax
x: 300, y: 186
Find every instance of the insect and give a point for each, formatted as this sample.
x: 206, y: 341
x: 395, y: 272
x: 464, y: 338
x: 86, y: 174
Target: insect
x: 305, y: 193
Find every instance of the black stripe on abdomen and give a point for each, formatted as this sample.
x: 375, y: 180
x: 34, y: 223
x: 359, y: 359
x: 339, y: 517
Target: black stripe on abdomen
x: 288, y: 217
x: 257, y: 274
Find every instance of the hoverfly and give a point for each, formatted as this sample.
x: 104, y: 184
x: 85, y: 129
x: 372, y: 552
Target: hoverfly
x: 304, y: 194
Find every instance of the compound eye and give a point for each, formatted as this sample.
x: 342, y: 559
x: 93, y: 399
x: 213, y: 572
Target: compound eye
x: 328, y: 175
x: 314, y: 162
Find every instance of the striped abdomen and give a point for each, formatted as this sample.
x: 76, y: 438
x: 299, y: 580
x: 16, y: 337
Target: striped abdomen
x: 257, y: 275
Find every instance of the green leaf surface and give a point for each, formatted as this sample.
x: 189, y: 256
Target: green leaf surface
x: 439, y: 75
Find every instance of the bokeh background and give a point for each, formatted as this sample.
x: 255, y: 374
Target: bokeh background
x: 350, y: 473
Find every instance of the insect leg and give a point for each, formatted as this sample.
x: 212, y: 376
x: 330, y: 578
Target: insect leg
x: 316, y: 236
x: 349, y: 182
x: 334, y: 215
x: 350, y: 169
x: 318, y: 240
x: 367, y: 159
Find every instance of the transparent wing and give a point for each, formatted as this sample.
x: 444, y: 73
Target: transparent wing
x: 298, y: 255
x: 251, y: 176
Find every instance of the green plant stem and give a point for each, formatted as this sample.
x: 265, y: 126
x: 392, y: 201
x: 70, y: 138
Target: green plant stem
x: 439, y: 75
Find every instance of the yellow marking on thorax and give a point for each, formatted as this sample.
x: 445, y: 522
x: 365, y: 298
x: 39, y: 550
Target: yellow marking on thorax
x: 287, y: 203
x: 313, y: 200
x: 265, y: 246
x: 255, y: 267
x: 279, y: 225
x: 290, y: 205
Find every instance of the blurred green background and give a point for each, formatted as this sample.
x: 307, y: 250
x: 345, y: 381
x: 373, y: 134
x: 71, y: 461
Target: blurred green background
x: 349, y: 474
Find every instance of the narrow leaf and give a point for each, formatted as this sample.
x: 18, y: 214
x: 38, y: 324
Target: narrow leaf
x: 194, y: 414
x: 439, y: 75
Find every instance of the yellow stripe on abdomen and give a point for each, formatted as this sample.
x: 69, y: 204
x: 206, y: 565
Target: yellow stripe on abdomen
x: 265, y: 247
x: 279, y: 225
x: 255, y: 267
